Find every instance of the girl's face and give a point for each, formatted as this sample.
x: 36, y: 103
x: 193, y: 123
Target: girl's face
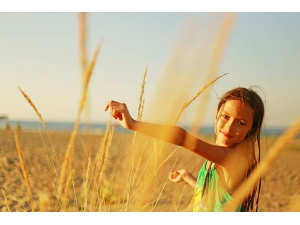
x: 233, y: 122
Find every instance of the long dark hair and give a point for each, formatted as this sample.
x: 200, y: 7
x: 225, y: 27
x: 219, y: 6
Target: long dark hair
x: 250, y: 97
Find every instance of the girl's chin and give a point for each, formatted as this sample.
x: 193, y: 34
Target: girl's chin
x: 224, y: 143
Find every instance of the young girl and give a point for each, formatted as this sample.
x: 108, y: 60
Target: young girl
x: 229, y: 162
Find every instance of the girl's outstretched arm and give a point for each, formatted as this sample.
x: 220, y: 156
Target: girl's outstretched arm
x: 171, y: 134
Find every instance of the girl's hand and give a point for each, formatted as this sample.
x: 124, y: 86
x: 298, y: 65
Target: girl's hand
x: 178, y: 175
x: 120, y: 112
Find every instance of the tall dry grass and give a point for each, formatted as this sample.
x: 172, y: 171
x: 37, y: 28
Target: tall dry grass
x: 52, y: 161
x: 164, y: 107
x: 142, y: 184
x: 83, y: 17
x: 5, y: 200
x: 24, y: 171
x: 33, y: 106
x: 186, y: 104
x: 182, y: 68
x: 133, y: 167
x: 69, y: 152
x: 218, y: 49
x: 65, y: 177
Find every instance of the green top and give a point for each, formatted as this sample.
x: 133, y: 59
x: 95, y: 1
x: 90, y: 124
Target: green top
x: 215, y: 195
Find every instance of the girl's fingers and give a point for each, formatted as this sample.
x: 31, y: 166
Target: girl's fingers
x: 118, y: 115
x: 107, y: 105
x: 115, y: 112
x: 110, y: 104
x: 116, y: 109
x: 173, y: 174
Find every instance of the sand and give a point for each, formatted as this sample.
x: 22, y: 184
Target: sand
x: 280, y: 186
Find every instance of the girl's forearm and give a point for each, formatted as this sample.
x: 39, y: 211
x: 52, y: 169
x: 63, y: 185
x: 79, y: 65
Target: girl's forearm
x: 190, y: 179
x: 171, y: 134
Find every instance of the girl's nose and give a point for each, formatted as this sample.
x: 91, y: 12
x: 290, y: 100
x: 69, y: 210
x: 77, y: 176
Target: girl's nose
x: 229, y: 126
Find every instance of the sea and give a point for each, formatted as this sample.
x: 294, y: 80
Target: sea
x: 99, y: 128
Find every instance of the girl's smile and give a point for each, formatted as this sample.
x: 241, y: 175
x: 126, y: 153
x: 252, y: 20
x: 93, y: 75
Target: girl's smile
x: 226, y: 134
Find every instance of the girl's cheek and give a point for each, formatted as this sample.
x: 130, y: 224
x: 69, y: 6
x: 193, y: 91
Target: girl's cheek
x: 221, y: 122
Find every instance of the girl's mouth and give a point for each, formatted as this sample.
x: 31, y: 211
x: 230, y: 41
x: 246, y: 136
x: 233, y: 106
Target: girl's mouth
x: 226, y: 134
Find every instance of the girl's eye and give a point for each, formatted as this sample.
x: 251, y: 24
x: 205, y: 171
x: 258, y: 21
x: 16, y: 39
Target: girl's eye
x: 225, y: 117
x: 242, y: 123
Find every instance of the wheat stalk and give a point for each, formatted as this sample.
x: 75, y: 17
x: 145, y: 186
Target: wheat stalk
x: 69, y: 152
x: 39, y: 116
x: 131, y: 173
x: 103, y: 166
x: 163, y: 188
x: 196, y: 96
x: 86, y: 186
x: 141, y: 103
x: 136, y: 184
x: 82, y: 41
x: 5, y: 199
x: 24, y: 169
x: 215, y: 60
x: 141, y: 97
x: 139, y: 117
x: 99, y: 165
x: 110, y: 183
x: 138, y: 165
x: 33, y: 106
x: 87, y: 78
x: 53, y: 174
x: 65, y: 200
x: 74, y: 193
x: 106, y: 149
x: 83, y: 52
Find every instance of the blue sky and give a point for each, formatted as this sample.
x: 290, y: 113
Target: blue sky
x: 40, y: 53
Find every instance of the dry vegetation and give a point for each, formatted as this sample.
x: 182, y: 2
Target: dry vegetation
x: 116, y: 171
x: 126, y: 175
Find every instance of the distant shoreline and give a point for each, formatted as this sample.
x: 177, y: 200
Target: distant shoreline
x: 99, y: 128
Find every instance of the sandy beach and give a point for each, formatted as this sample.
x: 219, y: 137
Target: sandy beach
x: 44, y: 153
